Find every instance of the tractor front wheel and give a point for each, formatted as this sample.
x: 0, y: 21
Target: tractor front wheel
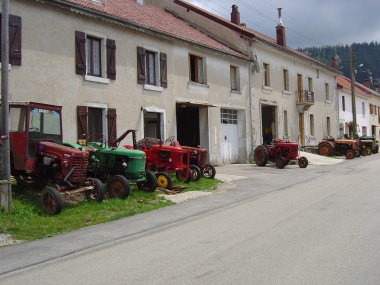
x: 350, y: 154
x: 303, y: 162
x: 97, y: 192
x: 151, y: 183
x: 195, y: 172
x: 118, y: 187
x: 261, y: 155
x: 280, y: 162
x: 209, y: 171
x: 183, y: 176
x: 164, y: 180
x: 51, y: 201
x: 369, y: 151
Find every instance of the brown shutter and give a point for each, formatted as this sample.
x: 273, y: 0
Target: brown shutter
x: 111, y: 59
x: 112, y: 136
x: 163, y: 70
x: 80, y: 53
x: 14, y: 39
x: 82, y: 122
x: 140, y: 65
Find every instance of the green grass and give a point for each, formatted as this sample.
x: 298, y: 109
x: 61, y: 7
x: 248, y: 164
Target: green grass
x: 27, y: 220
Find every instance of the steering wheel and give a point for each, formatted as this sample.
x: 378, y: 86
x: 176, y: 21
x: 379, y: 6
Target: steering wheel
x: 170, y: 141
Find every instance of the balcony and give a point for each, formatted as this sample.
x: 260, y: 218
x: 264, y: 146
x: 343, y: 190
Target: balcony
x: 305, y: 100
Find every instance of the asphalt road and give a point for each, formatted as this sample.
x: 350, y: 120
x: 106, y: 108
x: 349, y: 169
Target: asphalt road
x: 318, y: 225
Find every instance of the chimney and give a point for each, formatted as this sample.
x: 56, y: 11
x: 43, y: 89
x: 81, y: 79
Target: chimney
x: 280, y: 30
x: 235, y: 15
x: 367, y: 83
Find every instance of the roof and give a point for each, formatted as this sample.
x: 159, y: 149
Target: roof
x: 245, y: 31
x: 148, y: 17
x: 344, y: 83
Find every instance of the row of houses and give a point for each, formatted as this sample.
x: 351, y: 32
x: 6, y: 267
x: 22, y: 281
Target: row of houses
x: 168, y: 68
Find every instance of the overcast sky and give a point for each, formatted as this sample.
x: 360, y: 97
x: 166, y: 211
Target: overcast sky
x: 308, y: 22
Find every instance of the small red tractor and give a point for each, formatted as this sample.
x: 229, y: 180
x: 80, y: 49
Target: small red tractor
x: 281, y: 152
x: 341, y: 146
x: 165, y: 159
x: 39, y: 159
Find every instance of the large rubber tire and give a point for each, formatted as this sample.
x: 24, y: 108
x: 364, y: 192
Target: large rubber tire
x: 303, y: 162
x: 118, y: 187
x: 182, y: 175
x: 325, y: 149
x: 350, y: 154
x: 195, y: 172
x: 280, y: 162
x: 51, y: 201
x: 164, y: 180
x: 363, y: 151
x: 261, y: 155
x: 209, y: 171
x: 151, y: 183
x: 97, y: 193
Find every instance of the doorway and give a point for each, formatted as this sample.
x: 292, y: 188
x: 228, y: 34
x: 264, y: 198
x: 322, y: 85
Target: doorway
x: 188, y: 125
x: 269, y: 123
x: 152, y: 125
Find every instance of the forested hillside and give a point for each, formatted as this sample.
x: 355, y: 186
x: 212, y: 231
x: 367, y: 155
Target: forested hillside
x: 367, y: 54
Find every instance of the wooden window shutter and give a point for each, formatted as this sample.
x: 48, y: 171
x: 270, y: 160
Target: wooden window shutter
x: 111, y: 59
x: 163, y: 70
x: 14, y: 39
x: 82, y: 122
x: 80, y: 53
x: 140, y: 65
x: 112, y: 135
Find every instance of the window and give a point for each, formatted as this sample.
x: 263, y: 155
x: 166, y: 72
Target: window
x: 343, y: 103
x: 228, y: 116
x: 328, y: 123
x: 91, y: 124
x: 234, y: 77
x: 364, y: 131
x: 266, y: 75
x: 312, y: 132
x: 95, y: 57
x: 363, y: 108
x: 310, y: 83
x: 286, y: 79
x: 197, y: 69
x: 14, y: 39
x: 327, y: 91
x: 151, y: 68
x: 286, y: 134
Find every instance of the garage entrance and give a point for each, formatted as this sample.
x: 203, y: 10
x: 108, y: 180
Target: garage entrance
x: 188, y: 125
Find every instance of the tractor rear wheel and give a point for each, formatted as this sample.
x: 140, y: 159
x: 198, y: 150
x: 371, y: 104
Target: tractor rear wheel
x: 325, y: 149
x: 303, y: 162
x: 164, y: 180
x: 195, y: 172
x: 151, y: 183
x: 261, y: 155
x: 51, y: 201
x: 280, y: 162
x: 183, y: 176
x: 350, y: 154
x: 209, y: 171
x: 118, y: 187
x: 97, y: 193
x: 363, y: 151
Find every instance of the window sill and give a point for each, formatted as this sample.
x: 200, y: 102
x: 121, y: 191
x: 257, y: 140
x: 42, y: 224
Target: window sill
x: 267, y: 88
x: 97, y: 79
x: 198, y: 87
x: 286, y: 92
x: 153, y: 88
x: 327, y: 101
x: 235, y: 93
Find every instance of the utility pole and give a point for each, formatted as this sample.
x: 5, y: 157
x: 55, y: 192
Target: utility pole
x: 5, y: 178
x: 353, y: 93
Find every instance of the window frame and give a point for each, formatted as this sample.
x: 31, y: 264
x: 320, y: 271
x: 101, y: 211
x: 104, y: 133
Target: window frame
x: 343, y: 103
x: 285, y: 77
x: 94, y: 59
x: 197, y: 70
x: 312, y: 125
x: 234, y: 78
x: 266, y: 74
x: 228, y: 116
x: 327, y: 91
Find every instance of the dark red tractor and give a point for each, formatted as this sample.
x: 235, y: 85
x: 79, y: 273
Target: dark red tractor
x: 164, y: 159
x: 281, y: 152
x: 39, y: 159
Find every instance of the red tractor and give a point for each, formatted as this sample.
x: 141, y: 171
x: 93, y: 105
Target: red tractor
x: 39, y: 159
x: 281, y: 152
x: 165, y: 159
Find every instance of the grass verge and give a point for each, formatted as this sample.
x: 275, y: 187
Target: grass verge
x: 27, y: 220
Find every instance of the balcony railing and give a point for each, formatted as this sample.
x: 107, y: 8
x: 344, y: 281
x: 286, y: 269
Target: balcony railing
x: 305, y: 97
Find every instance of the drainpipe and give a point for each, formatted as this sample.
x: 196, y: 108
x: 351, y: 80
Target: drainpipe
x: 250, y: 93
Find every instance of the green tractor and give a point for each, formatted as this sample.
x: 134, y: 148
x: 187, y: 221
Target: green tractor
x: 118, y: 167
x: 370, y: 144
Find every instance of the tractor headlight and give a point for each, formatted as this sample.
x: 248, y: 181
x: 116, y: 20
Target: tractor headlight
x: 125, y: 165
x: 65, y: 163
x: 170, y: 160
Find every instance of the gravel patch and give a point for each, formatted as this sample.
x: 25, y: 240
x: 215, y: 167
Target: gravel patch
x: 6, y: 239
